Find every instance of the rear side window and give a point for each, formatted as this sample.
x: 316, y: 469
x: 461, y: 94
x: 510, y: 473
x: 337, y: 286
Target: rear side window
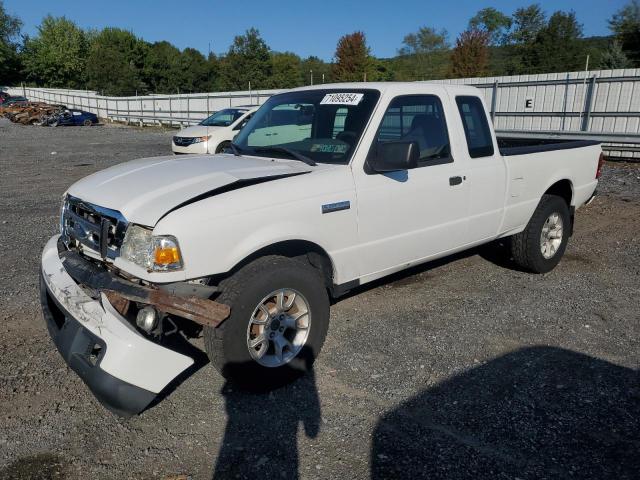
x: 476, y: 127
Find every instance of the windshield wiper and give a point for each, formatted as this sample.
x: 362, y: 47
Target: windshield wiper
x: 292, y: 153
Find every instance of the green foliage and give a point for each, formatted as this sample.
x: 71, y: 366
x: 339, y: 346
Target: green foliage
x: 495, y: 23
x: 57, y: 56
x: 613, y: 57
x: 114, y: 63
x: 545, y: 54
x: 527, y: 23
x: 625, y: 25
x: 351, y: 58
x: 247, y: 61
x: 426, y: 55
x: 318, y: 67
x: 9, y: 59
x: 286, y: 71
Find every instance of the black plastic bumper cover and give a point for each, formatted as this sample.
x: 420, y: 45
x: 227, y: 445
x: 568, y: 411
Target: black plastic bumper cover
x: 77, y: 345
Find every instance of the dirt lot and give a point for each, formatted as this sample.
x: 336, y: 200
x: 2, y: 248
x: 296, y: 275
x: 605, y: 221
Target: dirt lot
x: 462, y: 369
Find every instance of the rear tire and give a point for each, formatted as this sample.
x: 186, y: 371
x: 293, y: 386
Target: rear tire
x: 245, y: 291
x: 87, y: 123
x: 541, y: 245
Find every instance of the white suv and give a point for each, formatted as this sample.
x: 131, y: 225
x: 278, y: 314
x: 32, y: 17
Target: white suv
x: 214, y: 133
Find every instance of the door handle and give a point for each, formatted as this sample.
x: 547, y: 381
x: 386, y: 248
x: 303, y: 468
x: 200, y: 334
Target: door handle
x: 455, y: 181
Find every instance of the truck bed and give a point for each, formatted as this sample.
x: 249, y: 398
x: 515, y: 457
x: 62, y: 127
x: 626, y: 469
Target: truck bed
x: 523, y: 146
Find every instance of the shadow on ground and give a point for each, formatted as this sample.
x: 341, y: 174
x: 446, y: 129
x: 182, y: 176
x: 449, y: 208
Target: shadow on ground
x: 261, y: 434
x: 536, y: 413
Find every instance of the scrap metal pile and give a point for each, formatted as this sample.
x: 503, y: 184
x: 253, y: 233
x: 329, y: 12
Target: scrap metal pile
x: 32, y: 113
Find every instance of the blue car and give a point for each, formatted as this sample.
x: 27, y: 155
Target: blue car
x: 75, y: 117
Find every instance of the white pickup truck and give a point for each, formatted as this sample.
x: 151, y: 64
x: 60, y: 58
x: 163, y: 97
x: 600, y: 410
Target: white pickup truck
x: 364, y: 180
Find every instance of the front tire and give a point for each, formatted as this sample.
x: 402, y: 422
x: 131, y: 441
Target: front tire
x: 278, y: 323
x: 220, y: 148
x: 541, y: 245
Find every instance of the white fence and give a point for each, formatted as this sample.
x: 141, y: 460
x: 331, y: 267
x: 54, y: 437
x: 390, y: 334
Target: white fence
x: 185, y: 109
x: 603, y: 104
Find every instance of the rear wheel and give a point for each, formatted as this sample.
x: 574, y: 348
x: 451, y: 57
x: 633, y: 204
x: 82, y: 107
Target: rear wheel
x: 278, y: 323
x: 541, y: 245
x: 87, y: 123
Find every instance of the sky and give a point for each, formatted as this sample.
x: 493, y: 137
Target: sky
x: 304, y: 27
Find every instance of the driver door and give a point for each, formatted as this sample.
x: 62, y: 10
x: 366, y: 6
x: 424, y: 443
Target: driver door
x: 409, y: 216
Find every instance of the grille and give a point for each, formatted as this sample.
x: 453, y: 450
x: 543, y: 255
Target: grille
x: 183, y: 141
x: 89, y: 226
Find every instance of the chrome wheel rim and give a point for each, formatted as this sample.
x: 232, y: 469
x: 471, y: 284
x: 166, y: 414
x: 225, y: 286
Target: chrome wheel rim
x: 279, y: 327
x: 551, y: 236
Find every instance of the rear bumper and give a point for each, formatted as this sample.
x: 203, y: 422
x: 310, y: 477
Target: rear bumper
x: 123, y: 369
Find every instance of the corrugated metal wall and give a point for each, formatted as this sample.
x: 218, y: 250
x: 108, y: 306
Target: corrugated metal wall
x: 601, y: 101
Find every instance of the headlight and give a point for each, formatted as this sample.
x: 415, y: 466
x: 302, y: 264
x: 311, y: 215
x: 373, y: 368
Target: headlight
x: 201, y: 139
x: 159, y: 253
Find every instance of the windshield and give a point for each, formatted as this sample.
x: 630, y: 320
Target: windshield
x: 322, y: 125
x: 223, y: 118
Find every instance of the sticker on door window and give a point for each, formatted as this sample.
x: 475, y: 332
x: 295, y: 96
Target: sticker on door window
x: 342, y: 99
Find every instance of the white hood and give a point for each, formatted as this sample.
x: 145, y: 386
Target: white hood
x: 144, y: 190
x: 197, y: 131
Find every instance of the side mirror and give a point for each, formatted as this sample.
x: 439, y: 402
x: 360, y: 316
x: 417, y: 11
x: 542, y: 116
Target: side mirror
x: 394, y: 156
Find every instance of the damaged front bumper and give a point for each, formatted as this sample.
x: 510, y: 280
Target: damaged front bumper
x: 123, y: 369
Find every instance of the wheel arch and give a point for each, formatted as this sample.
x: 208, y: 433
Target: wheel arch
x: 562, y: 188
x: 317, y: 256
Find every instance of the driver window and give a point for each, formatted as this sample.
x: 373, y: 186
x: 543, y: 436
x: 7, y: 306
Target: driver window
x: 420, y: 119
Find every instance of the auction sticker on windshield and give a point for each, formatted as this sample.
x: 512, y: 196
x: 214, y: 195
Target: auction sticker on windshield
x: 342, y: 99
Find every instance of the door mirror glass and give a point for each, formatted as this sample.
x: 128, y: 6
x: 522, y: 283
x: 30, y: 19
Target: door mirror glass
x: 394, y: 156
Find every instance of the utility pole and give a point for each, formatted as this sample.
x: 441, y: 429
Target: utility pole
x: 311, y: 73
x: 323, y: 78
x: 209, y: 69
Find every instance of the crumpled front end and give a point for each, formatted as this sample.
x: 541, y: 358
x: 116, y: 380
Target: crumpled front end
x: 124, y: 369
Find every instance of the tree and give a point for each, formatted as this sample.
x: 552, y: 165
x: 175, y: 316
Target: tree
x: 247, y: 61
x: 613, y: 57
x: 527, y: 22
x: 196, y: 71
x: 285, y: 70
x: 427, y: 51
x: 115, y: 62
x: 625, y: 24
x: 351, y: 58
x: 557, y: 46
x: 470, y: 57
x: 9, y: 34
x: 495, y: 23
x: 163, y: 71
x: 56, y: 57
x: 318, y: 67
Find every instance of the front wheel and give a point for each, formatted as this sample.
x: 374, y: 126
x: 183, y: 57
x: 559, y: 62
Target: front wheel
x: 278, y: 323
x: 541, y: 245
x: 221, y: 148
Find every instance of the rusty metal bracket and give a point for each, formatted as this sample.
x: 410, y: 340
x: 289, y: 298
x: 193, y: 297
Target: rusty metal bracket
x: 119, y: 291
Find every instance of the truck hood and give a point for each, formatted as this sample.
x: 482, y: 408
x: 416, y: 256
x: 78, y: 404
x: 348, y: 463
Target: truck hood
x: 145, y: 190
x: 197, y: 131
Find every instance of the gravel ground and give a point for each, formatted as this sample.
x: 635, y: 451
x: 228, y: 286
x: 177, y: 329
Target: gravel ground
x: 466, y: 368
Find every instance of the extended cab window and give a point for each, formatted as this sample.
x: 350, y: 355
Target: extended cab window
x: 420, y: 119
x: 476, y: 127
